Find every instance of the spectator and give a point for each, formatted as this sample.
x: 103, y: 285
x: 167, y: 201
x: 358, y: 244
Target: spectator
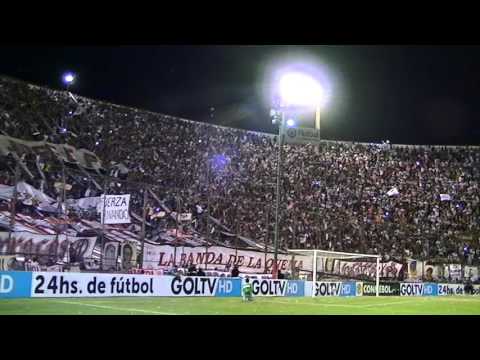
x: 192, y: 270
x: 468, y: 287
x: 347, y: 184
x: 235, y: 271
x: 428, y: 274
x: 173, y: 270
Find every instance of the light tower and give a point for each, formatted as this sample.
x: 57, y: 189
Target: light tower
x: 297, y: 91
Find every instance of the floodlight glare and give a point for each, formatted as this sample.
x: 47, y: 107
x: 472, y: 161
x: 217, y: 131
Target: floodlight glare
x: 290, y: 123
x: 301, y: 90
x: 68, y: 78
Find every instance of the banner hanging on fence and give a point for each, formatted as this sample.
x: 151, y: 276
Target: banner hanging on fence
x: 10, y: 263
x: 185, y: 217
x: 116, y: 209
x: 356, y: 269
x: 128, y: 255
x: 454, y: 271
x: 161, y: 256
x: 471, y: 272
x: 67, y: 153
x: 110, y: 256
x: 26, y: 193
x: 67, y: 248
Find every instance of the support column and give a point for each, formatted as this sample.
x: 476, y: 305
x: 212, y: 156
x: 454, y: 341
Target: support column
x: 314, y: 277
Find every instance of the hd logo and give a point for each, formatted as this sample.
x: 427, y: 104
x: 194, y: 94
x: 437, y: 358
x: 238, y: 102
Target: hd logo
x: 15, y: 284
x: 6, y: 284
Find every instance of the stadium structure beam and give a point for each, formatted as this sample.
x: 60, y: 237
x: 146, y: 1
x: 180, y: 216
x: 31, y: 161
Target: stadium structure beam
x: 317, y: 124
x: 278, y: 192
x: 207, y: 237
x: 314, y: 275
x: 144, y: 217
x: 296, y: 89
x: 105, y: 191
x: 13, y: 204
x: 177, y: 218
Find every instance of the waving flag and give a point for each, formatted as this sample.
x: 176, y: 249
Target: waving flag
x: 393, y: 192
x: 445, y: 197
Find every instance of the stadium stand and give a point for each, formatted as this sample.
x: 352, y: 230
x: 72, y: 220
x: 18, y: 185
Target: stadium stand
x: 400, y: 201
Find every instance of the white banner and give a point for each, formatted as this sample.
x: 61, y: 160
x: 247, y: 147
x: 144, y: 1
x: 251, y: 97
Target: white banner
x: 50, y: 284
x: 450, y: 289
x: 9, y: 263
x: 445, y: 197
x: 418, y: 270
x: 85, y: 203
x: 67, y: 248
x: 110, y: 256
x: 61, y: 284
x: 302, y: 136
x: 25, y: 192
x: 454, y: 271
x: 116, y: 209
x: 455, y: 289
x: 355, y: 269
x: 415, y: 269
x: 471, y: 272
x: 476, y: 289
x: 185, y: 217
x: 128, y: 255
x: 432, y: 272
x: 161, y: 256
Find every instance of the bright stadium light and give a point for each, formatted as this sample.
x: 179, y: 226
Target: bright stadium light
x: 294, y: 89
x: 300, y: 89
x: 68, y: 78
x: 290, y: 123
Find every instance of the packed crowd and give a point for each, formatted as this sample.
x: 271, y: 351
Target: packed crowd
x: 365, y: 198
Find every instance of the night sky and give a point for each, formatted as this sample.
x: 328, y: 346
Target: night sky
x: 406, y: 94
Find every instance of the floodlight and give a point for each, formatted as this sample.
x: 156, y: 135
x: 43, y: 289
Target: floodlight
x: 68, y: 78
x: 300, y: 89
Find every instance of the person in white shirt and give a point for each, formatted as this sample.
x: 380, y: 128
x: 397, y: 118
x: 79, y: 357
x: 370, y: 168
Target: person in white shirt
x: 34, y: 265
